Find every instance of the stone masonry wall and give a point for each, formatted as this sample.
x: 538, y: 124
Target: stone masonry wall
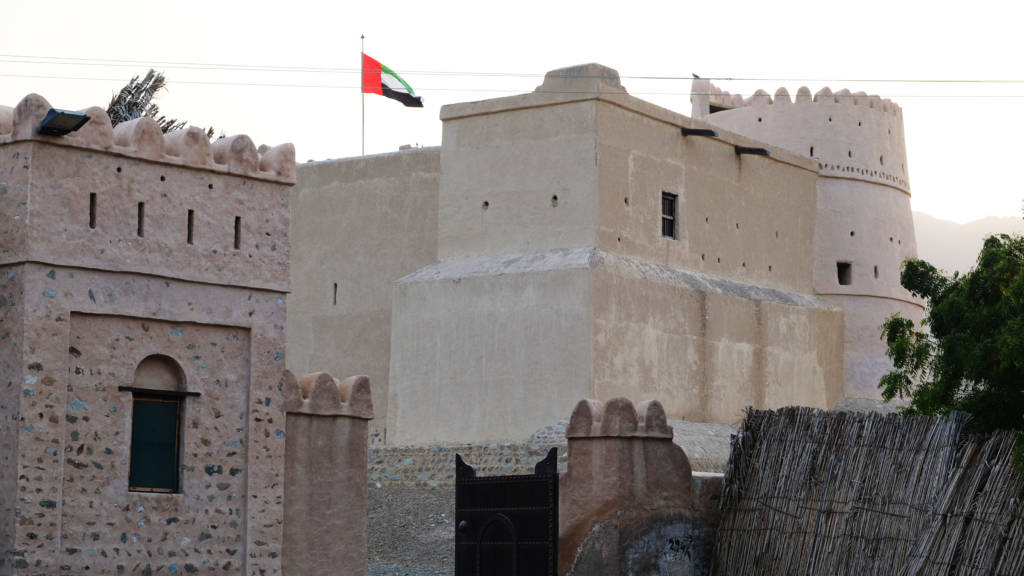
x: 11, y: 327
x: 74, y: 508
x: 102, y: 522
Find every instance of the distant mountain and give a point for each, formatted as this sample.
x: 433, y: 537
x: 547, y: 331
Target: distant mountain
x: 954, y: 247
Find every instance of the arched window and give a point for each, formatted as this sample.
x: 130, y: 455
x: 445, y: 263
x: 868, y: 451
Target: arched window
x: 158, y: 391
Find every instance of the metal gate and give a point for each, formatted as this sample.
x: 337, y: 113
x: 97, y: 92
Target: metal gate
x: 507, y: 525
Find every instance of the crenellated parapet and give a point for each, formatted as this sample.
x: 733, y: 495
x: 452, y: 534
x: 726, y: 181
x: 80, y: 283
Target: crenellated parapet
x: 326, y: 429
x: 143, y: 138
x: 618, y: 419
x: 321, y: 394
x: 625, y: 477
x: 723, y: 99
x: 850, y: 134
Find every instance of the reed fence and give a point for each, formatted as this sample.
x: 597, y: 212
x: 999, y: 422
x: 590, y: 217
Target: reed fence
x: 814, y: 492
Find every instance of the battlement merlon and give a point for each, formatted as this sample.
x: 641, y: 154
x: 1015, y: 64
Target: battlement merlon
x: 850, y: 135
x: 142, y: 138
x: 618, y: 418
x: 321, y: 394
x: 707, y: 98
x: 131, y: 199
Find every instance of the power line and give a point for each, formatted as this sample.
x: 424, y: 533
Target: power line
x: 101, y: 62
x: 424, y: 90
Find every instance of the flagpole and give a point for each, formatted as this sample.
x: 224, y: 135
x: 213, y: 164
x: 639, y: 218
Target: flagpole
x: 362, y: 48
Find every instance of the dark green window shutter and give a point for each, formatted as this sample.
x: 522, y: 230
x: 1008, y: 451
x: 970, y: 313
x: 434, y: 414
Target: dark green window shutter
x: 154, y: 459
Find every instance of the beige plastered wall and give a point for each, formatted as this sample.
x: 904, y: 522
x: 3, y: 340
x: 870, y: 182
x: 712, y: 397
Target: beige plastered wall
x: 218, y: 311
x: 494, y: 348
x: 489, y: 349
x: 710, y: 347
x: 554, y: 279
x: 750, y: 218
x: 863, y: 214
x: 358, y: 225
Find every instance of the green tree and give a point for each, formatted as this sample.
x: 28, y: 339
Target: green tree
x: 968, y: 354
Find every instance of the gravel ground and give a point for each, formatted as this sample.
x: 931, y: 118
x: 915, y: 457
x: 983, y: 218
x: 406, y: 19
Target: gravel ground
x: 410, y: 531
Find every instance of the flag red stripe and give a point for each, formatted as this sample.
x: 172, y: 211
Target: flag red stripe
x: 371, y: 76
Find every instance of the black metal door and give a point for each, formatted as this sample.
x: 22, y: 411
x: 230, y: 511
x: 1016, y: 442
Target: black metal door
x: 507, y: 525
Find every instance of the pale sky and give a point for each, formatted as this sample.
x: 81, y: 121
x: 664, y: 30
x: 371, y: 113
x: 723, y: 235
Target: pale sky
x: 288, y: 71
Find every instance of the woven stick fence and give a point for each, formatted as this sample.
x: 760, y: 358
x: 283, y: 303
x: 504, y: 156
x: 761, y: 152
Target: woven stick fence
x: 813, y: 492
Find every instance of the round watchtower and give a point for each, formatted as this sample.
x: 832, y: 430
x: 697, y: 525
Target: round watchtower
x: 864, y: 228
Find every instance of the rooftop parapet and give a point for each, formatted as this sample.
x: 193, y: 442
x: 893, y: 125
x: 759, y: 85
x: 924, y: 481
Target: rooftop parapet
x: 321, y: 394
x: 618, y: 418
x: 723, y: 99
x: 143, y: 138
x: 851, y: 135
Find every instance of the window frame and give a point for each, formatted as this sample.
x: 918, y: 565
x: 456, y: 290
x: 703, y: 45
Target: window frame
x: 164, y: 396
x: 670, y: 219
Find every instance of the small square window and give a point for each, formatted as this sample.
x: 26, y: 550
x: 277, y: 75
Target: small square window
x: 668, y: 214
x: 155, y: 448
x: 844, y: 270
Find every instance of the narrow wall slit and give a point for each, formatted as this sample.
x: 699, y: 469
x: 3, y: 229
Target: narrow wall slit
x: 335, y: 293
x: 92, y: 210
x: 191, y: 225
x: 141, y: 231
x: 238, y: 232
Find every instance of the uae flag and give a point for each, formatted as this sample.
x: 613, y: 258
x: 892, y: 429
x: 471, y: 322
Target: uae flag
x: 379, y: 79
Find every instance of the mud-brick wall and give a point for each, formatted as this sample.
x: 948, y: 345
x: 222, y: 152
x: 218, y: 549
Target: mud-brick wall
x: 10, y: 388
x: 85, y: 332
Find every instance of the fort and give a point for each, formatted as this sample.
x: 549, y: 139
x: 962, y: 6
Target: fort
x: 578, y: 242
x: 567, y: 244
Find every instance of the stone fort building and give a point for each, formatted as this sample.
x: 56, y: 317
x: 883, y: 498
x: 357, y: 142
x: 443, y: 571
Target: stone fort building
x: 579, y: 242
x: 142, y: 345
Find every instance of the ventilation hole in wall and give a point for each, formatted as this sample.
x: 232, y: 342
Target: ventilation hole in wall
x: 702, y: 257
x: 335, y: 293
x: 900, y: 242
x: 554, y: 201
x: 858, y: 123
x: 812, y: 154
x: 876, y: 271
x: 163, y: 178
x: 890, y: 239
x: 620, y: 239
x: 626, y: 200
x: 776, y: 233
x: 141, y: 230
x: 92, y: 210
x: 852, y: 233
x: 829, y: 118
x: 238, y: 232
x: 210, y: 186
x: 191, y: 225
x: 485, y: 205
x: 849, y: 153
x: 707, y: 220
x: 744, y: 264
x: 769, y: 267
x: 758, y: 118
x: 737, y: 225
x: 844, y: 272
x: 118, y: 169
x: 719, y: 259
x: 881, y: 160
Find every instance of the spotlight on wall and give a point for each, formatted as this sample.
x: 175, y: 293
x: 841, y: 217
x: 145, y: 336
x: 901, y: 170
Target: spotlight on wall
x: 62, y: 122
x: 699, y: 132
x: 752, y: 150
